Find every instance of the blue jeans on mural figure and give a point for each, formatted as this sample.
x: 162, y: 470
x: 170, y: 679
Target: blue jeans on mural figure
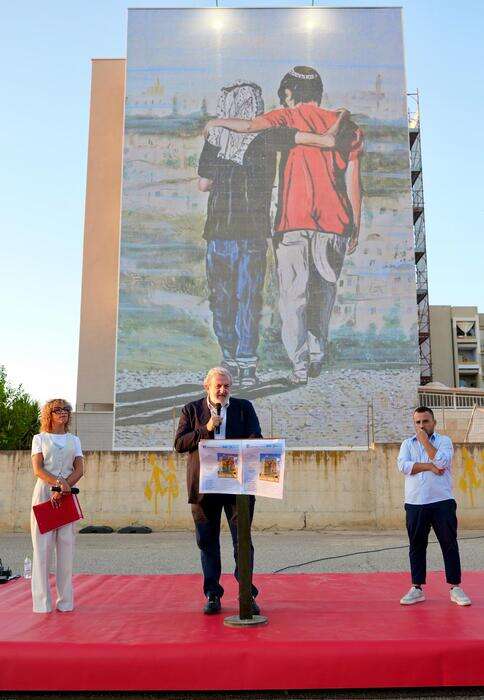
x: 235, y: 273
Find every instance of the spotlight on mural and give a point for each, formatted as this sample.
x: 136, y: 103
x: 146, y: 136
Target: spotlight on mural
x: 267, y: 222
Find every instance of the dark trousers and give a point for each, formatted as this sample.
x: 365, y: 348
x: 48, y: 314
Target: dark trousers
x: 207, y: 516
x: 440, y: 516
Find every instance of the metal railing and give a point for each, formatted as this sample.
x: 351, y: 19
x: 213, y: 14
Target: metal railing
x: 328, y: 425
x: 451, y: 398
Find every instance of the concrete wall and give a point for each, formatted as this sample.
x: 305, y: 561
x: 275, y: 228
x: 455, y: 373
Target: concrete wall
x: 99, y: 299
x: 94, y: 428
x: 345, y: 490
x: 455, y: 423
x: 442, y: 345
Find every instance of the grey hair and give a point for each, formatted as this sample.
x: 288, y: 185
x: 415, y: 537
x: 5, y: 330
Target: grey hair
x: 216, y: 370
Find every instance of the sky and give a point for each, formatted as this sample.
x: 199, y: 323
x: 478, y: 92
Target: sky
x: 45, y: 64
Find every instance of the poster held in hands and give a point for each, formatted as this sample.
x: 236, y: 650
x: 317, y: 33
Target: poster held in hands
x: 253, y: 467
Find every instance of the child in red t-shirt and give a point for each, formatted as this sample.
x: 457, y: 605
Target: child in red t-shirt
x: 318, y: 215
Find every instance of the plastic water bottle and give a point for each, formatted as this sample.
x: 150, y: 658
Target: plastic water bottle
x: 27, y: 567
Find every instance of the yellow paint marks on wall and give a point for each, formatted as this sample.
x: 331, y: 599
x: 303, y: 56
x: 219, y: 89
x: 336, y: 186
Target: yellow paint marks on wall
x: 470, y: 480
x: 162, y: 482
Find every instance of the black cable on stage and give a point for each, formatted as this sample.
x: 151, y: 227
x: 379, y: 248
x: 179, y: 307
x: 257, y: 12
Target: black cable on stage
x: 364, y: 551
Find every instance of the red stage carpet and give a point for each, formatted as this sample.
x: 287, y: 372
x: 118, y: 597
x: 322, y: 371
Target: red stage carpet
x: 324, y: 631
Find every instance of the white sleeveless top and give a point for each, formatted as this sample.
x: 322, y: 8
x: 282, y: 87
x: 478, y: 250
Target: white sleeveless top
x: 58, y: 455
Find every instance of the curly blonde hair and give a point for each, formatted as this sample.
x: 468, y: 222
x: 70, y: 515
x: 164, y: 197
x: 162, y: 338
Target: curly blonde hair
x: 46, y: 414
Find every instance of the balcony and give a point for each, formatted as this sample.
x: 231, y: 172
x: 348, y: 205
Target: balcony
x: 466, y: 340
x: 447, y: 397
x: 467, y: 357
x: 468, y: 369
x: 465, y: 333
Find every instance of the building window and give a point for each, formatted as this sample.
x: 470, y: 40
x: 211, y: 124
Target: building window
x: 468, y: 382
x: 466, y: 329
x: 467, y: 355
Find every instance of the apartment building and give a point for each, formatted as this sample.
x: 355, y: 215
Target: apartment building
x: 457, y: 341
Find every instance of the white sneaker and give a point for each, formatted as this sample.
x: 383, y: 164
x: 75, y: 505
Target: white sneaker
x: 415, y: 595
x: 458, y: 596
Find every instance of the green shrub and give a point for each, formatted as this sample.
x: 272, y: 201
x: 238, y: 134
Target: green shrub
x: 19, y: 416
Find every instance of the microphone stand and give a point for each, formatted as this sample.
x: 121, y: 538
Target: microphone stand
x: 246, y: 617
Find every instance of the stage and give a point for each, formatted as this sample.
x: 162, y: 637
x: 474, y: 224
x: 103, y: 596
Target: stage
x: 325, y: 631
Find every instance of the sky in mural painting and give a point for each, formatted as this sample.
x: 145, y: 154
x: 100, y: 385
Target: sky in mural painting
x: 349, y: 48
x: 45, y: 53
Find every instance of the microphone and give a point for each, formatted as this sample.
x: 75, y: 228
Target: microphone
x: 58, y: 489
x: 218, y: 406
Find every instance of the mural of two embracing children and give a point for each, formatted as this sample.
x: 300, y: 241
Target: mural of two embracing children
x: 316, y: 223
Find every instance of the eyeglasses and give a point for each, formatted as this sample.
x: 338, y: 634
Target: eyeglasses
x: 61, y: 410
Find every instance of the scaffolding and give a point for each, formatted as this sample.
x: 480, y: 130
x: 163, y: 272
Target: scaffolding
x: 419, y: 240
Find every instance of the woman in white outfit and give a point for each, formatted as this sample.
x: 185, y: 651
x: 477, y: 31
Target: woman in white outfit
x: 57, y: 461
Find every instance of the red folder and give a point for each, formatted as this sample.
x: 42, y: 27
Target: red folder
x: 50, y: 518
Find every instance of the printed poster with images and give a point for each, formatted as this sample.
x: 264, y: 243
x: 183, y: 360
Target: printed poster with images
x: 254, y: 467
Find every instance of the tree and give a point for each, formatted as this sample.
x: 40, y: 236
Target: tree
x: 19, y: 416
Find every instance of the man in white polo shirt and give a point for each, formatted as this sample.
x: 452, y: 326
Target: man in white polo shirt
x: 426, y: 461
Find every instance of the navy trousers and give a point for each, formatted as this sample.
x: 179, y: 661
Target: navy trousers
x: 207, y: 516
x: 441, y: 517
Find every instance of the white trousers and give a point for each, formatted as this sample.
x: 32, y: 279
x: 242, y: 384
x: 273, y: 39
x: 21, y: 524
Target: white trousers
x: 308, y: 266
x: 63, y: 541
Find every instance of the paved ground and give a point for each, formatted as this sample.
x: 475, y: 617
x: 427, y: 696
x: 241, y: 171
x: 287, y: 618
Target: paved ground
x: 175, y: 552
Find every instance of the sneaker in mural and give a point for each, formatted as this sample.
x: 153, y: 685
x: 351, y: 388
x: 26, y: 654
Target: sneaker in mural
x: 232, y: 367
x: 247, y: 376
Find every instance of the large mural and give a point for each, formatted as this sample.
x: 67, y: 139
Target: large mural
x: 267, y: 222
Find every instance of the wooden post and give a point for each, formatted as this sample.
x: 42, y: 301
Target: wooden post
x: 245, y: 616
x: 245, y: 576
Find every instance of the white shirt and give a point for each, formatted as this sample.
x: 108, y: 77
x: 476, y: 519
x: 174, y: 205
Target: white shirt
x: 58, y: 439
x: 426, y: 487
x: 220, y: 435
